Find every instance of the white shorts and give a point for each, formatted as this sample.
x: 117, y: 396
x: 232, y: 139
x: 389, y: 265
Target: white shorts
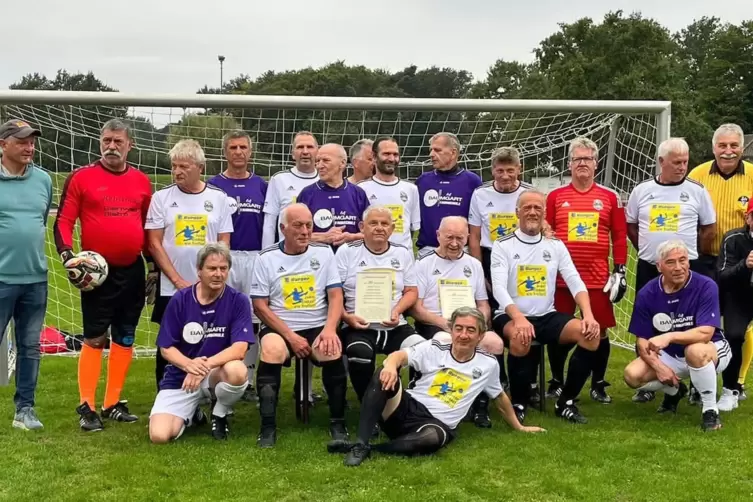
x: 180, y: 403
x: 240, y: 273
x: 680, y: 366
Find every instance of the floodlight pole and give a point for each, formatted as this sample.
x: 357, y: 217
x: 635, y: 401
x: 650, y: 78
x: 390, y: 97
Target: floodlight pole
x: 222, y: 80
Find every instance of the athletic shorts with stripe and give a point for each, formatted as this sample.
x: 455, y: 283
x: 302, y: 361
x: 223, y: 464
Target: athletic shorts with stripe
x: 680, y: 366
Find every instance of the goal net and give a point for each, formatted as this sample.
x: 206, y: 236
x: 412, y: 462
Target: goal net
x: 626, y: 133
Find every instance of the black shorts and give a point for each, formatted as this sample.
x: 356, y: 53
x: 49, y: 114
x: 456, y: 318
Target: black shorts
x: 117, y: 303
x: 309, y: 334
x: 411, y: 416
x: 427, y: 330
x: 486, y: 263
x: 547, y: 328
x: 380, y: 341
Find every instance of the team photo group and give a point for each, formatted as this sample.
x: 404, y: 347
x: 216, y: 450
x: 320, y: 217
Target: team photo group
x: 247, y: 276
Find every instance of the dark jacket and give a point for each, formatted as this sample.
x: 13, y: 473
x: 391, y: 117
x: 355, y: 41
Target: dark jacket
x: 736, y: 280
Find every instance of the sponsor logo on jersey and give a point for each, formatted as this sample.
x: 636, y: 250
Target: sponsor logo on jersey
x: 662, y: 322
x: 743, y: 200
x: 174, y: 204
x: 193, y: 333
x: 436, y: 272
x: 281, y: 270
x: 323, y: 218
x: 362, y: 264
x: 433, y: 198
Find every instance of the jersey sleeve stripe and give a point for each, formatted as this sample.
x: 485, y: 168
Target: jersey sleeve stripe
x: 335, y: 285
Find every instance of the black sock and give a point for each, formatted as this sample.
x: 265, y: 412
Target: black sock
x: 268, y: 388
x: 520, y: 383
x: 601, y: 361
x: 577, y: 374
x: 481, y: 404
x: 732, y: 371
x: 360, y: 376
x: 534, y: 359
x: 502, y: 373
x: 372, y: 406
x: 557, y: 358
x: 336, y: 384
x: 424, y: 442
x: 159, y: 368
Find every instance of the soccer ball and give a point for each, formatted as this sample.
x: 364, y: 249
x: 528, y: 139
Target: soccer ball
x: 85, y: 275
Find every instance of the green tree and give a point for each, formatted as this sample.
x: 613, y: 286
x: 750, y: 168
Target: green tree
x: 208, y: 131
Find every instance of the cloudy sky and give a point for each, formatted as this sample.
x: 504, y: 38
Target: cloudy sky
x: 172, y: 46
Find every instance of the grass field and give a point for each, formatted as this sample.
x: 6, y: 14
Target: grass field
x: 626, y: 453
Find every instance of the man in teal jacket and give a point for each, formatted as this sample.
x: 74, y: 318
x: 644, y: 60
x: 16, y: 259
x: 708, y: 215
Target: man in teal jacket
x: 25, y: 198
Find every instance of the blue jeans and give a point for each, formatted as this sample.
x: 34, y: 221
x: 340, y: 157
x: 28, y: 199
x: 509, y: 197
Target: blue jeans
x: 26, y: 304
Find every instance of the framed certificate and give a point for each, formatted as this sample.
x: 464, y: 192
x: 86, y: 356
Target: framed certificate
x: 454, y: 296
x: 374, y: 295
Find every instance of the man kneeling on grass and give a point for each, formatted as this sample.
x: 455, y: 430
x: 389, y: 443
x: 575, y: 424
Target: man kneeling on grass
x: 204, y: 335
x: 424, y: 419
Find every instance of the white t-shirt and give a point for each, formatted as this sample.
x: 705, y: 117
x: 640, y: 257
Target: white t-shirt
x: 189, y: 220
x: 494, y: 211
x: 296, y: 285
x: 401, y: 197
x: 665, y: 212
x: 355, y: 257
x: 432, y: 271
x: 524, y: 271
x: 284, y: 187
x: 447, y: 387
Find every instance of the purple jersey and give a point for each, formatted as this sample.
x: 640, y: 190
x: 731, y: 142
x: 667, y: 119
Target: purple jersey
x: 246, y: 202
x: 443, y: 194
x: 202, y: 330
x: 655, y: 312
x: 340, y: 207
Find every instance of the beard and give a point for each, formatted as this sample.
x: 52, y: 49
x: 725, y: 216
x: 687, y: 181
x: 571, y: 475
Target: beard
x: 386, y: 167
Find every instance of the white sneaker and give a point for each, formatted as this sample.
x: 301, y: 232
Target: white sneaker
x: 728, y: 401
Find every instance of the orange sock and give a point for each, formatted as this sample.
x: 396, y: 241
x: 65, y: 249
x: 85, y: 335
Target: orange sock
x: 89, y: 367
x: 117, y: 369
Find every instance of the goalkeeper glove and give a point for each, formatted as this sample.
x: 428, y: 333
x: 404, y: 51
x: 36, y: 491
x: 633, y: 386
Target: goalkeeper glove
x: 152, y: 274
x: 616, y: 286
x: 76, y: 268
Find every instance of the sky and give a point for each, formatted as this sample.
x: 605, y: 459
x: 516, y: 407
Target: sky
x: 171, y: 46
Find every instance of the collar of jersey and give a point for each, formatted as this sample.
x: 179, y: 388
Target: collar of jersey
x: 327, y: 188
x: 99, y: 164
x: 740, y: 169
x: 281, y: 244
x: 250, y: 175
x: 298, y: 174
x: 196, y: 297
x: 494, y: 187
x: 660, y: 183
x: 527, y: 239
x: 385, y: 184
x: 462, y: 253
x: 452, y: 172
x: 661, y: 284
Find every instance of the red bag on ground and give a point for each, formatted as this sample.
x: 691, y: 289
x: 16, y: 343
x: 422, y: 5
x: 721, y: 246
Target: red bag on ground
x: 52, y: 341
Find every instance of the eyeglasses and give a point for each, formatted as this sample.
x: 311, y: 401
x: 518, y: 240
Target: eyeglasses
x: 578, y: 160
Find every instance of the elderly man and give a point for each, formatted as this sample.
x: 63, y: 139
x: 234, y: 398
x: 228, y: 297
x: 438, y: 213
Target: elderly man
x: 387, y: 189
x: 676, y: 323
x: 286, y: 185
x: 364, y: 338
x: 297, y: 293
x: 25, y: 199
x: 204, y: 335
x: 669, y: 206
x: 182, y: 218
x: 110, y: 199
x: 336, y: 204
x: 587, y: 217
x: 445, y: 191
x: 424, y: 419
x: 524, y: 269
x: 247, y: 192
x: 449, y: 268
x: 362, y: 160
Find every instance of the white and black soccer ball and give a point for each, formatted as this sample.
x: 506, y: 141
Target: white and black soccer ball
x: 85, y: 274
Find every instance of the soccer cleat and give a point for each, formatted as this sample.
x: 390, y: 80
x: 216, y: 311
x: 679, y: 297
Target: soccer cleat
x: 728, y: 401
x: 220, y: 430
x: 643, y: 396
x: 339, y: 446
x: 555, y: 390
x: 250, y: 394
x: 267, y: 437
x: 694, y: 397
x: 670, y: 402
x: 710, y: 421
x: 482, y: 420
x: 338, y: 431
x: 357, y: 454
x: 89, y: 421
x: 599, y: 392
x: 570, y: 413
x: 26, y: 419
x: 520, y: 412
x: 119, y: 412
x: 198, y: 418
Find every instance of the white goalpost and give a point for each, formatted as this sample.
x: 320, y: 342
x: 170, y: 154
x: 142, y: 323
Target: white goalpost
x: 627, y: 133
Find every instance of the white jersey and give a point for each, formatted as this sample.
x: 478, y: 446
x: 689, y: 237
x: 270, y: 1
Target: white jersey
x: 433, y: 271
x: 524, y: 272
x: 447, y: 387
x: 494, y: 211
x: 669, y: 211
x: 189, y: 220
x: 284, y: 187
x: 296, y: 285
x: 355, y: 257
x: 401, y: 198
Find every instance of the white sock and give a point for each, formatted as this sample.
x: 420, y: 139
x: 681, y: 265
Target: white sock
x: 704, y: 380
x: 227, y: 396
x: 250, y: 360
x: 656, y: 385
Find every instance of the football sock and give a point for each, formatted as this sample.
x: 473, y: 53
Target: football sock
x: 360, y: 375
x: 89, y: 368
x: 250, y: 360
x: 601, y: 361
x: 335, y: 382
x: 227, y: 395
x: 577, y: 373
x: 656, y: 385
x: 747, y: 354
x: 557, y: 359
x: 520, y: 383
x: 117, y: 369
x: 372, y: 406
x: 268, y: 387
x: 704, y: 380
x: 731, y: 373
x: 423, y: 442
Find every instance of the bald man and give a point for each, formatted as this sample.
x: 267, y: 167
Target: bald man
x: 336, y: 204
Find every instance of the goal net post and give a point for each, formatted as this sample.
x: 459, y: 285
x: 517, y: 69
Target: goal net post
x: 627, y: 133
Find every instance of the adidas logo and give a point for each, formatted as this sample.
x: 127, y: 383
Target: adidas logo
x: 516, y: 256
x: 362, y: 264
x: 651, y: 197
x: 291, y: 187
x: 566, y: 204
x: 373, y: 197
x: 280, y: 270
x: 490, y: 204
x: 174, y: 204
x: 436, y: 272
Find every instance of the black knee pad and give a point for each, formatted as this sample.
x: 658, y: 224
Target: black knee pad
x: 430, y: 438
x: 360, y: 352
x: 124, y: 335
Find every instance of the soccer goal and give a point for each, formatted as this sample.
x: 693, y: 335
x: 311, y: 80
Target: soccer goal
x: 627, y: 133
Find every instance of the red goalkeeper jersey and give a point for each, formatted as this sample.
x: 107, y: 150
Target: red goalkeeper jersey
x: 112, y: 210
x: 585, y: 221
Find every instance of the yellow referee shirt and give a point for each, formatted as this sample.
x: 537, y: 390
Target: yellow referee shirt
x: 729, y: 193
